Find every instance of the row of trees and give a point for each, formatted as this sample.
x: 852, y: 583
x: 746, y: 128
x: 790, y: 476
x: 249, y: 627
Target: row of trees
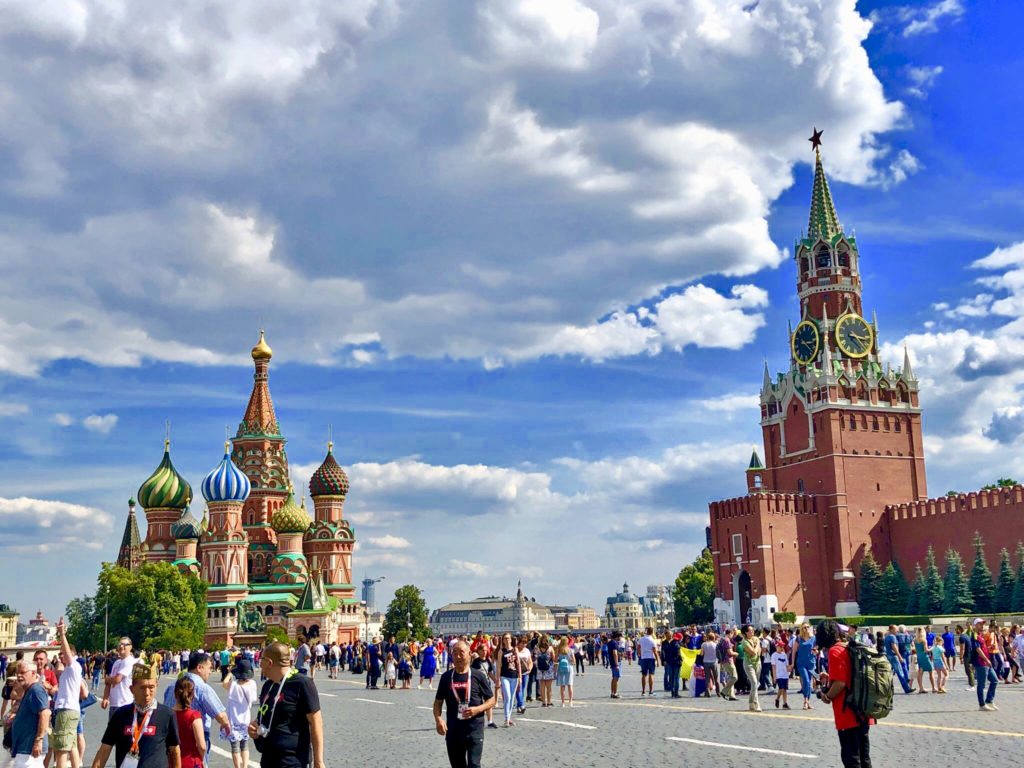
x: 954, y: 591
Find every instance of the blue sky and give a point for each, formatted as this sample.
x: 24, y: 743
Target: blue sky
x: 525, y: 258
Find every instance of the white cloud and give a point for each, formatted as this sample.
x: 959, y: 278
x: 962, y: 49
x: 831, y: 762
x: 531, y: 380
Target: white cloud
x: 901, y: 167
x: 13, y: 409
x: 465, y: 568
x: 101, y: 424
x: 732, y: 402
x: 703, y: 317
x: 540, y: 205
x: 922, y: 79
x: 42, y: 525
x: 389, y: 542
x: 926, y: 18
x: 62, y: 419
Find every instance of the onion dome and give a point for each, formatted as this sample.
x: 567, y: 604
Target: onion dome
x: 330, y: 479
x: 291, y: 518
x: 262, y: 350
x: 165, y: 488
x: 226, y: 482
x: 187, y: 527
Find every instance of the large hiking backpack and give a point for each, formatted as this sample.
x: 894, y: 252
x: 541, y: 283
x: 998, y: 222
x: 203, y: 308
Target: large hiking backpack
x: 870, y: 694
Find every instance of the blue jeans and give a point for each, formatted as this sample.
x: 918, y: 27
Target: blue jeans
x: 521, y: 692
x: 901, y: 674
x: 672, y: 673
x: 806, y: 674
x: 983, y: 674
x: 508, y: 688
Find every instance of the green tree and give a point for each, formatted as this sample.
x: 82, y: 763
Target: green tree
x: 1017, y: 603
x: 1005, y: 583
x: 917, y: 591
x: 277, y: 635
x: 931, y: 598
x: 145, y: 604
x: 1002, y: 482
x: 983, y: 591
x: 81, y: 620
x: 956, y: 592
x: 894, y: 591
x: 407, y: 607
x: 694, y: 591
x: 870, y: 584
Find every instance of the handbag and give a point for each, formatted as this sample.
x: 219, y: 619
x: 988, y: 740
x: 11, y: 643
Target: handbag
x: 88, y: 701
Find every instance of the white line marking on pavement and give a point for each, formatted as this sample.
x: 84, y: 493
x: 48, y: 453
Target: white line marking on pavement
x: 374, y: 701
x: 332, y: 695
x: 424, y: 707
x: 738, y: 746
x: 225, y: 753
x: 557, y: 722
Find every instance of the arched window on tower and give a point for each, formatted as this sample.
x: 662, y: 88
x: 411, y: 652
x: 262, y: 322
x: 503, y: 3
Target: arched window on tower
x: 822, y: 258
x: 804, y: 267
x: 800, y: 485
x: 843, y: 257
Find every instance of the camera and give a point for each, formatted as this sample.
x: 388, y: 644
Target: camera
x: 262, y: 731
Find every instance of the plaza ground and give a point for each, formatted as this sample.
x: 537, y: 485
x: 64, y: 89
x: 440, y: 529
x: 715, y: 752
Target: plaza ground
x: 395, y: 729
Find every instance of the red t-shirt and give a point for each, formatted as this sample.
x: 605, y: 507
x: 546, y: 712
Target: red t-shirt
x: 839, y: 671
x: 190, y: 757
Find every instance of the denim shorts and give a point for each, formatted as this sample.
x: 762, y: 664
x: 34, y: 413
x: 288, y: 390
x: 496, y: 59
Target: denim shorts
x: 616, y: 673
x: 646, y: 666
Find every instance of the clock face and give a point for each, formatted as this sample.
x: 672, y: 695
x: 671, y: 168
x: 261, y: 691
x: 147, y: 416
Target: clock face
x: 853, y: 335
x: 806, y: 341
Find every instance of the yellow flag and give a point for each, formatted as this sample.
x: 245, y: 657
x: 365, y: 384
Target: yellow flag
x: 689, y: 658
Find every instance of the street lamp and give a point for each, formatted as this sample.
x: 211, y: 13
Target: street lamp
x: 408, y: 624
x: 366, y: 622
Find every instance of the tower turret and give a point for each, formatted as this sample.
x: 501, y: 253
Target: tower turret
x: 328, y: 543
x: 164, y: 496
x: 130, y: 553
x: 225, y: 543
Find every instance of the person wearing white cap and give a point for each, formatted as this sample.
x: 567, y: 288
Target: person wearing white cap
x: 981, y: 658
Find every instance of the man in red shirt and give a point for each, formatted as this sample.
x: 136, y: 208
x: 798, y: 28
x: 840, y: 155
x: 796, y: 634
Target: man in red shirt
x: 854, y: 747
x: 47, y: 677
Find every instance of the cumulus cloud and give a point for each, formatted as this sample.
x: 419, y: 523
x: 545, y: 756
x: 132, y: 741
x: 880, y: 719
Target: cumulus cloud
x: 389, y: 542
x: 444, y: 179
x: 42, y: 525
x: 921, y: 79
x: 101, y: 424
x: 62, y: 419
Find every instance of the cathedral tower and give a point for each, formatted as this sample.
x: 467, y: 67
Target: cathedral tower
x: 130, y: 554
x: 329, y: 541
x: 258, y: 450
x: 164, y: 496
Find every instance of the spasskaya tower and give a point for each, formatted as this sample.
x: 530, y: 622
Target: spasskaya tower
x: 842, y: 440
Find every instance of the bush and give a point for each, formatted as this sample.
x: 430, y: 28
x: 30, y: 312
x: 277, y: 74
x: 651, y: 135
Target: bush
x: 785, y: 617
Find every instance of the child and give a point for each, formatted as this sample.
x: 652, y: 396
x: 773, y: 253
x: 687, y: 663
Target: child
x: 405, y: 672
x: 941, y: 673
x: 780, y: 670
x: 242, y: 694
x: 190, y: 724
x: 390, y: 671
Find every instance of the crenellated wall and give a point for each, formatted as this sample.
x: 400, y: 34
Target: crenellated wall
x: 949, y: 522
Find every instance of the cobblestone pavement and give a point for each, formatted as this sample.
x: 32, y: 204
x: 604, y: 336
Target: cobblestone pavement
x: 395, y: 729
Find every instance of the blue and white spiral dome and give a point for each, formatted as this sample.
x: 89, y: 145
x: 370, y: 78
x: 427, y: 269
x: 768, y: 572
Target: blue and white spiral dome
x: 226, y: 482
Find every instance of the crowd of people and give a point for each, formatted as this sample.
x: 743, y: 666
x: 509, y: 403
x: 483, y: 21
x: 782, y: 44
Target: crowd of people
x: 45, y: 700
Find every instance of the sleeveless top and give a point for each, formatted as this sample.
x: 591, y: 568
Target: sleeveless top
x: 190, y: 757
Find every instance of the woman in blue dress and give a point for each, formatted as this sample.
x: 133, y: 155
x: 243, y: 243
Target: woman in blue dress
x: 924, y: 660
x: 428, y: 667
x: 372, y: 664
x: 802, y: 660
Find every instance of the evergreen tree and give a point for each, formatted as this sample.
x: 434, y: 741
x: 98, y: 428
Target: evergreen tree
x: 894, y: 591
x: 983, y: 591
x: 956, y: 592
x: 917, y: 592
x: 931, y: 598
x: 1005, y: 583
x: 1017, y: 604
x: 870, y: 585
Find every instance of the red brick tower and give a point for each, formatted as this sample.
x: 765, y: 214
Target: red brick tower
x: 842, y: 439
x: 258, y: 450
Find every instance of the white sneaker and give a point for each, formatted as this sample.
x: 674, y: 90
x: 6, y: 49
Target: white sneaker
x: 988, y: 708
x: 992, y: 706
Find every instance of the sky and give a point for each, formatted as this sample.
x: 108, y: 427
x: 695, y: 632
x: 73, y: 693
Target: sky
x: 524, y: 259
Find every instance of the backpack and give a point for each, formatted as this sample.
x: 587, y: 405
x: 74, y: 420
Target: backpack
x: 543, y: 662
x: 563, y: 666
x: 870, y: 694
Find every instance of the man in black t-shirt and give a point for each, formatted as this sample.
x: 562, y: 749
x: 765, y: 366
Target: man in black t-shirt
x: 468, y: 695
x: 288, y: 730
x: 144, y: 730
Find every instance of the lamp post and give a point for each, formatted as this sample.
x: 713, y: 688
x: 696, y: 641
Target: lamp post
x: 366, y: 622
x: 408, y: 624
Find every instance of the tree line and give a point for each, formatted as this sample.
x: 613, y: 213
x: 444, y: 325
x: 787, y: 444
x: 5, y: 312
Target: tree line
x: 954, y: 591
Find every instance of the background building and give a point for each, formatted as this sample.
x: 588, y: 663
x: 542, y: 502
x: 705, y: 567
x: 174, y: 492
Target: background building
x: 657, y: 605
x: 492, y: 615
x: 623, y: 611
x: 8, y: 626
x: 38, y: 630
x: 568, y: 617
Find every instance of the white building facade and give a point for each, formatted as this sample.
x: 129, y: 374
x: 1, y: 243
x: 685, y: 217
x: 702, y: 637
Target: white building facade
x: 493, y: 615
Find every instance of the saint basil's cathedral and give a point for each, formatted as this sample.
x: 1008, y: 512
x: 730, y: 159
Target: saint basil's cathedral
x: 267, y: 560
x: 844, y: 469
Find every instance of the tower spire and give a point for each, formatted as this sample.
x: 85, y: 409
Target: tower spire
x: 260, y: 418
x: 908, y: 372
x: 823, y: 220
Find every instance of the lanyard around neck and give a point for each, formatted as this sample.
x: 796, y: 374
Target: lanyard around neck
x: 138, y: 730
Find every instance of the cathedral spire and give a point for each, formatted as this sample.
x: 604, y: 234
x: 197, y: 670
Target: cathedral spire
x: 908, y: 372
x: 260, y: 419
x: 823, y: 221
x: 130, y: 553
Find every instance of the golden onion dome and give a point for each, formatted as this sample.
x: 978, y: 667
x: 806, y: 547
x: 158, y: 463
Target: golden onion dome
x: 262, y: 350
x: 291, y: 518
